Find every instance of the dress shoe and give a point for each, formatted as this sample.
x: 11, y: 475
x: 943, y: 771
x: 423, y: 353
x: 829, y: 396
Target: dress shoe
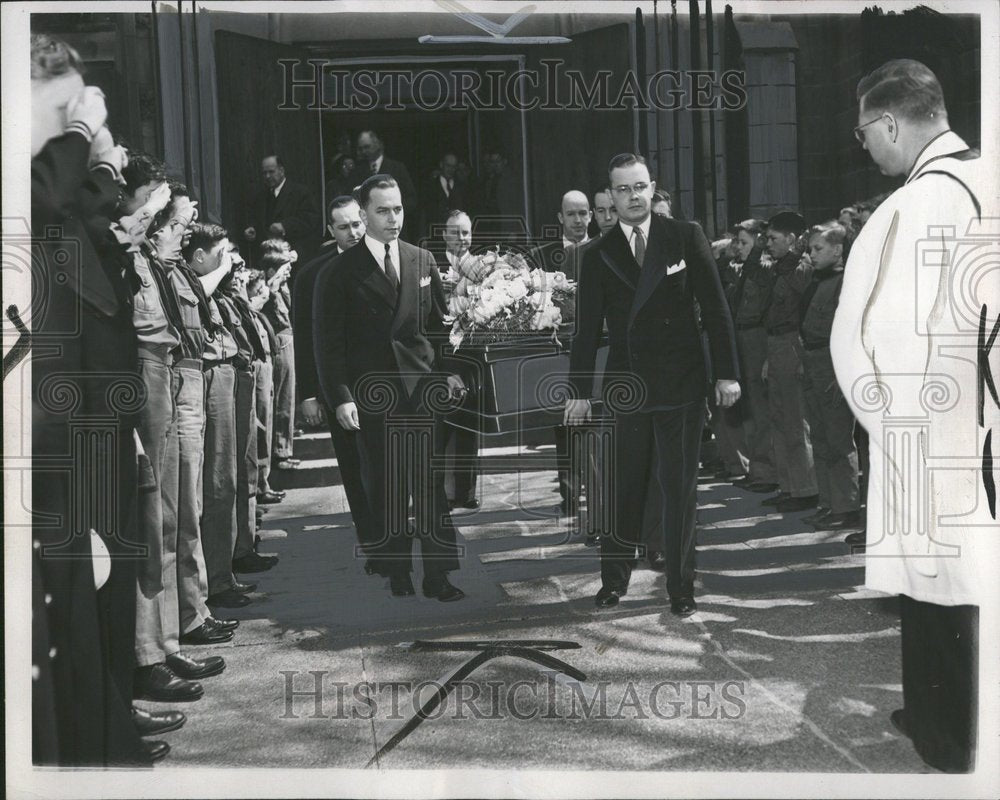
x: 401, y: 585
x: 195, y: 668
x: 244, y: 588
x: 845, y: 520
x: 155, y: 750
x: 269, y: 498
x: 252, y: 562
x: 468, y: 502
x: 287, y: 463
x: 593, y: 540
x: 229, y: 599
x: 790, y: 504
x: 370, y: 568
x: 898, y: 720
x: 206, y: 634
x: 158, y: 682
x: 656, y: 560
x: 857, y: 539
x: 762, y: 488
x: 743, y: 482
x: 683, y: 606
x: 150, y: 723
x: 817, y: 518
x: 775, y: 499
x: 609, y: 596
x: 438, y: 586
x: 223, y: 624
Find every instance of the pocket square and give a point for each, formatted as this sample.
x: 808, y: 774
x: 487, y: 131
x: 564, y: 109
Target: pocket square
x: 676, y: 267
x: 425, y: 281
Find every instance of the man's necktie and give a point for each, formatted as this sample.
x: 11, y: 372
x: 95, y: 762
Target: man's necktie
x: 390, y: 269
x: 374, y: 167
x: 640, y: 245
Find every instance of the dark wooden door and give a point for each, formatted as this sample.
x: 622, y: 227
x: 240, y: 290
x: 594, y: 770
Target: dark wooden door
x: 570, y: 148
x: 251, y: 83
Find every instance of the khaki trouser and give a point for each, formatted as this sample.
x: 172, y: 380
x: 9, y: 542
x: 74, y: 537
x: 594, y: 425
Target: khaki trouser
x: 760, y: 448
x: 246, y: 463
x: 284, y: 395
x: 264, y: 407
x: 831, y: 429
x: 218, y: 520
x: 789, y: 429
x: 192, y: 575
x: 156, y: 615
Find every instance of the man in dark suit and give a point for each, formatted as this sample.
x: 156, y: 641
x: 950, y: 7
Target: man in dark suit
x: 372, y: 160
x: 643, y: 279
x: 375, y: 312
x: 443, y: 193
x: 346, y: 230
x: 286, y: 210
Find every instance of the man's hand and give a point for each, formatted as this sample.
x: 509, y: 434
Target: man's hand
x: 577, y: 412
x: 277, y: 229
x: 158, y: 199
x: 311, y: 411
x: 280, y: 276
x: 726, y: 393
x: 250, y: 234
x: 456, y: 388
x: 115, y: 158
x: 347, y: 417
x: 88, y: 108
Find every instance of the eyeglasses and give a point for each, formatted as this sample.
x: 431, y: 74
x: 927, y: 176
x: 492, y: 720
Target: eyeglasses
x: 859, y: 133
x: 624, y: 189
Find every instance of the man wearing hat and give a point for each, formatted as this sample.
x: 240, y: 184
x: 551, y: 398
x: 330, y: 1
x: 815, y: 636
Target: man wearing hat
x: 783, y: 368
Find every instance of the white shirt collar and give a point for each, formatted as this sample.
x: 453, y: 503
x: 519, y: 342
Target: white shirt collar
x: 943, y: 144
x: 377, y: 249
x: 643, y: 226
x: 279, y: 187
x: 444, y: 185
x: 377, y: 165
x: 567, y: 243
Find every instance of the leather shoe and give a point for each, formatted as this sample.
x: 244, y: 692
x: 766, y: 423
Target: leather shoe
x: 656, y: 560
x: 898, y: 720
x: 269, y: 498
x: 683, y: 606
x: 775, y: 499
x: 223, y: 624
x: 287, y: 463
x: 796, y: 503
x: 158, y: 682
x: 252, y: 562
x: 150, y: 723
x: 155, y: 750
x: 608, y: 596
x: 401, y: 585
x: 468, y: 502
x: 195, y: 668
x: 244, y: 588
x: 820, y: 515
x: 230, y: 598
x: 857, y: 539
x: 762, y: 488
x: 593, y: 540
x: 441, y: 588
x: 845, y: 520
x: 206, y: 634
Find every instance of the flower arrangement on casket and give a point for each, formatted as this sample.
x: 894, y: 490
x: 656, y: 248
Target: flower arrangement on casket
x: 499, y: 295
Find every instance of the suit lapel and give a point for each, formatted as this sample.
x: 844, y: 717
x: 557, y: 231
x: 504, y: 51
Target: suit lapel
x: 372, y: 277
x: 409, y: 276
x: 615, y: 253
x: 659, y: 253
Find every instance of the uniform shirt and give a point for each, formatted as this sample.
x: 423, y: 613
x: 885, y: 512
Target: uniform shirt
x: 193, y: 340
x: 233, y: 320
x: 791, y: 280
x: 153, y: 327
x: 277, y: 308
x: 222, y: 345
x: 820, y: 302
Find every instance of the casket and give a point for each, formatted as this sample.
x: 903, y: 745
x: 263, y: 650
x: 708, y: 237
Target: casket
x: 522, y: 385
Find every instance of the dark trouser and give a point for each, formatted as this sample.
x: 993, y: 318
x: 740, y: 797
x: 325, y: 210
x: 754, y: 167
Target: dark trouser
x: 218, y: 521
x: 465, y: 452
x: 940, y: 681
x: 831, y: 430
x: 789, y: 429
x: 157, y: 619
x: 727, y: 427
x: 246, y: 463
x: 284, y: 395
x: 396, y: 450
x: 753, y: 353
x: 347, y: 450
x: 669, y: 442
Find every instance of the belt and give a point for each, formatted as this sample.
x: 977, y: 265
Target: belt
x: 816, y: 345
x: 188, y: 363
x: 747, y: 326
x: 206, y: 365
x: 787, y: 327
x: 155, y: 352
